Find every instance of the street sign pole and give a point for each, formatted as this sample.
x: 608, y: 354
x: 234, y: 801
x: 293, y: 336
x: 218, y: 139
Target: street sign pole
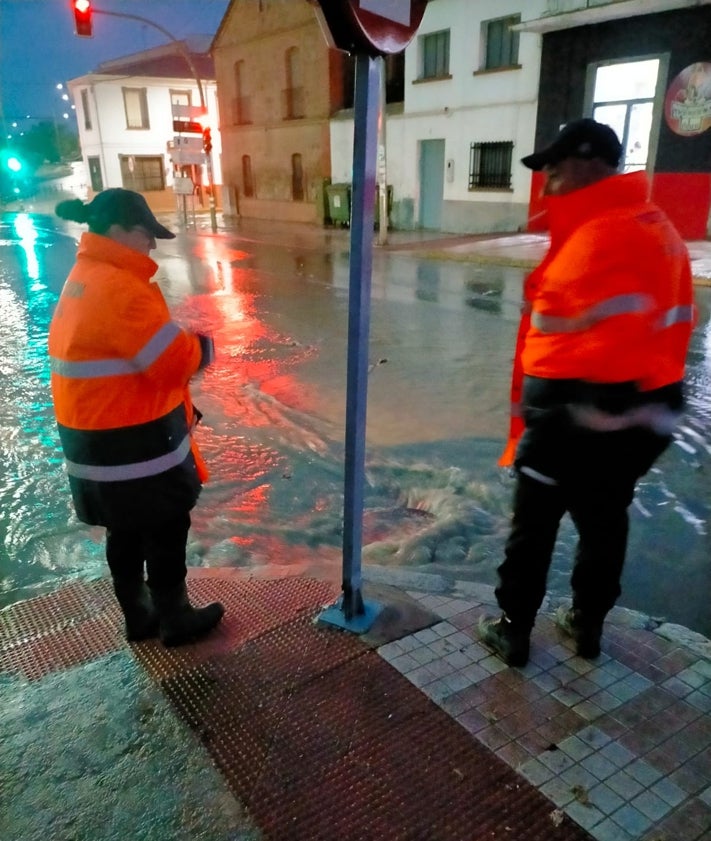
x: 357, y: 614
x: 369, y: 29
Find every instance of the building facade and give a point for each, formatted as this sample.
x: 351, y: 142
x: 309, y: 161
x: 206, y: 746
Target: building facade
x: 278, y: 84
x: 132, y: 114
x: 643, y: 67
x: 469, y: 114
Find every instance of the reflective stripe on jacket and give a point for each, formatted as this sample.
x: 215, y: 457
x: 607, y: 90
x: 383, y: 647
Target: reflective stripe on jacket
x: 120, y: 371
x: 612, y: 301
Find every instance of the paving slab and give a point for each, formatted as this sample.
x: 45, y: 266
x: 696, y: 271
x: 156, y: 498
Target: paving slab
x: 276, y: 727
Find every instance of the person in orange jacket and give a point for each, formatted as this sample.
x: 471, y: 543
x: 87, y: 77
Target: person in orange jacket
x: 120, y: 369
x: 597, y: 384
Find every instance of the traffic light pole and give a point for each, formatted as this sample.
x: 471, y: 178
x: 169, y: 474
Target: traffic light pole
x: 203, y: 104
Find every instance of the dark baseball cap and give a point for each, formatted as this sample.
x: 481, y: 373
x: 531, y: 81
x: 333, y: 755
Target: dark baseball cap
x: 127, y: 208
x: 585, y: 139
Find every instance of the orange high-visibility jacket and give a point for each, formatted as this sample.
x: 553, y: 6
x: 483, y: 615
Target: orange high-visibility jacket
x: 612, y: 301
x: 120, y: 371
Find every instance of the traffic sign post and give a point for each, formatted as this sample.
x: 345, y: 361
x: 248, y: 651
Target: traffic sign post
x: 368, y: 28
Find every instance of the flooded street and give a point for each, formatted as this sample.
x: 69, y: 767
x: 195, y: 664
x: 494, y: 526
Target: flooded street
x: 441, y: 340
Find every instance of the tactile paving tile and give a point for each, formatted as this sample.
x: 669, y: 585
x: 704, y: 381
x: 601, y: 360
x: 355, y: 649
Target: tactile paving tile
x: 63, y: 608
x: 252, y: 607
x: 320, y: 738
x: 63, y: 629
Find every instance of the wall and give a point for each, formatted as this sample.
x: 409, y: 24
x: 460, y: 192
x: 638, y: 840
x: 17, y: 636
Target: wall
x: 259, y: 36
x: 681, y: 171
x: 467, y: 108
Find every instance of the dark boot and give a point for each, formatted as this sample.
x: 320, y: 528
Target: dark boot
x: 584, y: 632
x: 180, y: 622
x: 137, y: 608
x: 506, y: 640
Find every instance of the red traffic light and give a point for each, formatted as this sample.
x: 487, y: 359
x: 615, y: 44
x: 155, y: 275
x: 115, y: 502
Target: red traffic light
x: 83, y: 18
x: 207, y: 140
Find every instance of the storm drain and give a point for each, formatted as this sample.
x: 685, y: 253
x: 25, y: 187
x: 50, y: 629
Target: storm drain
x: 314, y: 733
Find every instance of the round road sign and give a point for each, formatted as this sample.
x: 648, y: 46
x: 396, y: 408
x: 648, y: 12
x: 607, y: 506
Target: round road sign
x: 374, y: 27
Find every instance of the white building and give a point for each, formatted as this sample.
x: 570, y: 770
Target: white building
x: 471, y: 96
x: 126, y: 113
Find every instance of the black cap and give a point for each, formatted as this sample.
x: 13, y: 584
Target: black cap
x: 117, y: 206
x: 585, y: 139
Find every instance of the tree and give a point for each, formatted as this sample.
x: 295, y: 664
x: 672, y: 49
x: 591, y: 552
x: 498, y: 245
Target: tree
x: 49, y: 142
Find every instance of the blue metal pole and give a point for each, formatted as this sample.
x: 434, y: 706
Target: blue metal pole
x: 361, y: 263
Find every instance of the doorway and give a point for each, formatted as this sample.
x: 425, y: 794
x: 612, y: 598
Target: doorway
x: 431, y: 183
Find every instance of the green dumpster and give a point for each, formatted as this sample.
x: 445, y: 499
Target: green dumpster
x: 339, y: 204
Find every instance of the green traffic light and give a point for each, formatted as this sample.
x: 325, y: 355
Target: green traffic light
x: 13, y: 164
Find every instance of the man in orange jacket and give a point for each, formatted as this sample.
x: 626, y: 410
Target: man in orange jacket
x: 597, y: 387
x: 120, y: 373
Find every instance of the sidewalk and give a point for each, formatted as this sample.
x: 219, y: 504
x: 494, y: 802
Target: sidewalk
x: 279, y: 727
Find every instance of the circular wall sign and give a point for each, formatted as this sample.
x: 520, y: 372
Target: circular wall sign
x: 687, y: 106
x: 375, y: 27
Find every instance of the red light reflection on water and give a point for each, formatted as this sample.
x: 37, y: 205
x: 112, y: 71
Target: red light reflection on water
x: 251, y: 386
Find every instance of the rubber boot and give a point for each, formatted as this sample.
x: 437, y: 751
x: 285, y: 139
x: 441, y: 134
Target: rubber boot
x: 586, y: 633
x: 507, y: 641
x: 180, y: 622
x: 137, y: 607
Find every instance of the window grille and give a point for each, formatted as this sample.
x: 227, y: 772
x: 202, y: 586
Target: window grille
x: 501, y: 42
x: 490, y: 165
x: 435, y: 55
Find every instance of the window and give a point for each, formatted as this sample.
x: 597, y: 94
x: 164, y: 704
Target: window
x: 97, y: 182
x: 135, y: 104
x: 247, y: 177
x: 293, y: 101
x: 435, y: 55
x: 86, y: 111
x: 395, y: 77
x: 184, y: 98
x: 241, y: 114
x: 490, y: 165
x: 142, y: 173
x: 297, y: 178
x: 623, y: 97
x: 500, y: 43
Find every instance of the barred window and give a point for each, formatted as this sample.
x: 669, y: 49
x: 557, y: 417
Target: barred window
x: 490, y: 165
x: 501, y: 42
x: 435, y: 55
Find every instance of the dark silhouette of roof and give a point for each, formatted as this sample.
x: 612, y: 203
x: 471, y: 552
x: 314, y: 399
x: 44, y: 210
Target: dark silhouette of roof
x: 166, y: 61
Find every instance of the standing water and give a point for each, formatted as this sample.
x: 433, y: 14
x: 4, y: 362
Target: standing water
x: 442, y: 336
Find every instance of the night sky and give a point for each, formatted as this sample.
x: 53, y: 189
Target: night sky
x: 38, y: 47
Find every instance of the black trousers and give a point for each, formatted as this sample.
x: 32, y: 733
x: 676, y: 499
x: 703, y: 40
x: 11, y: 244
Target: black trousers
x: 592, y: 476
x: 158, y: 547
